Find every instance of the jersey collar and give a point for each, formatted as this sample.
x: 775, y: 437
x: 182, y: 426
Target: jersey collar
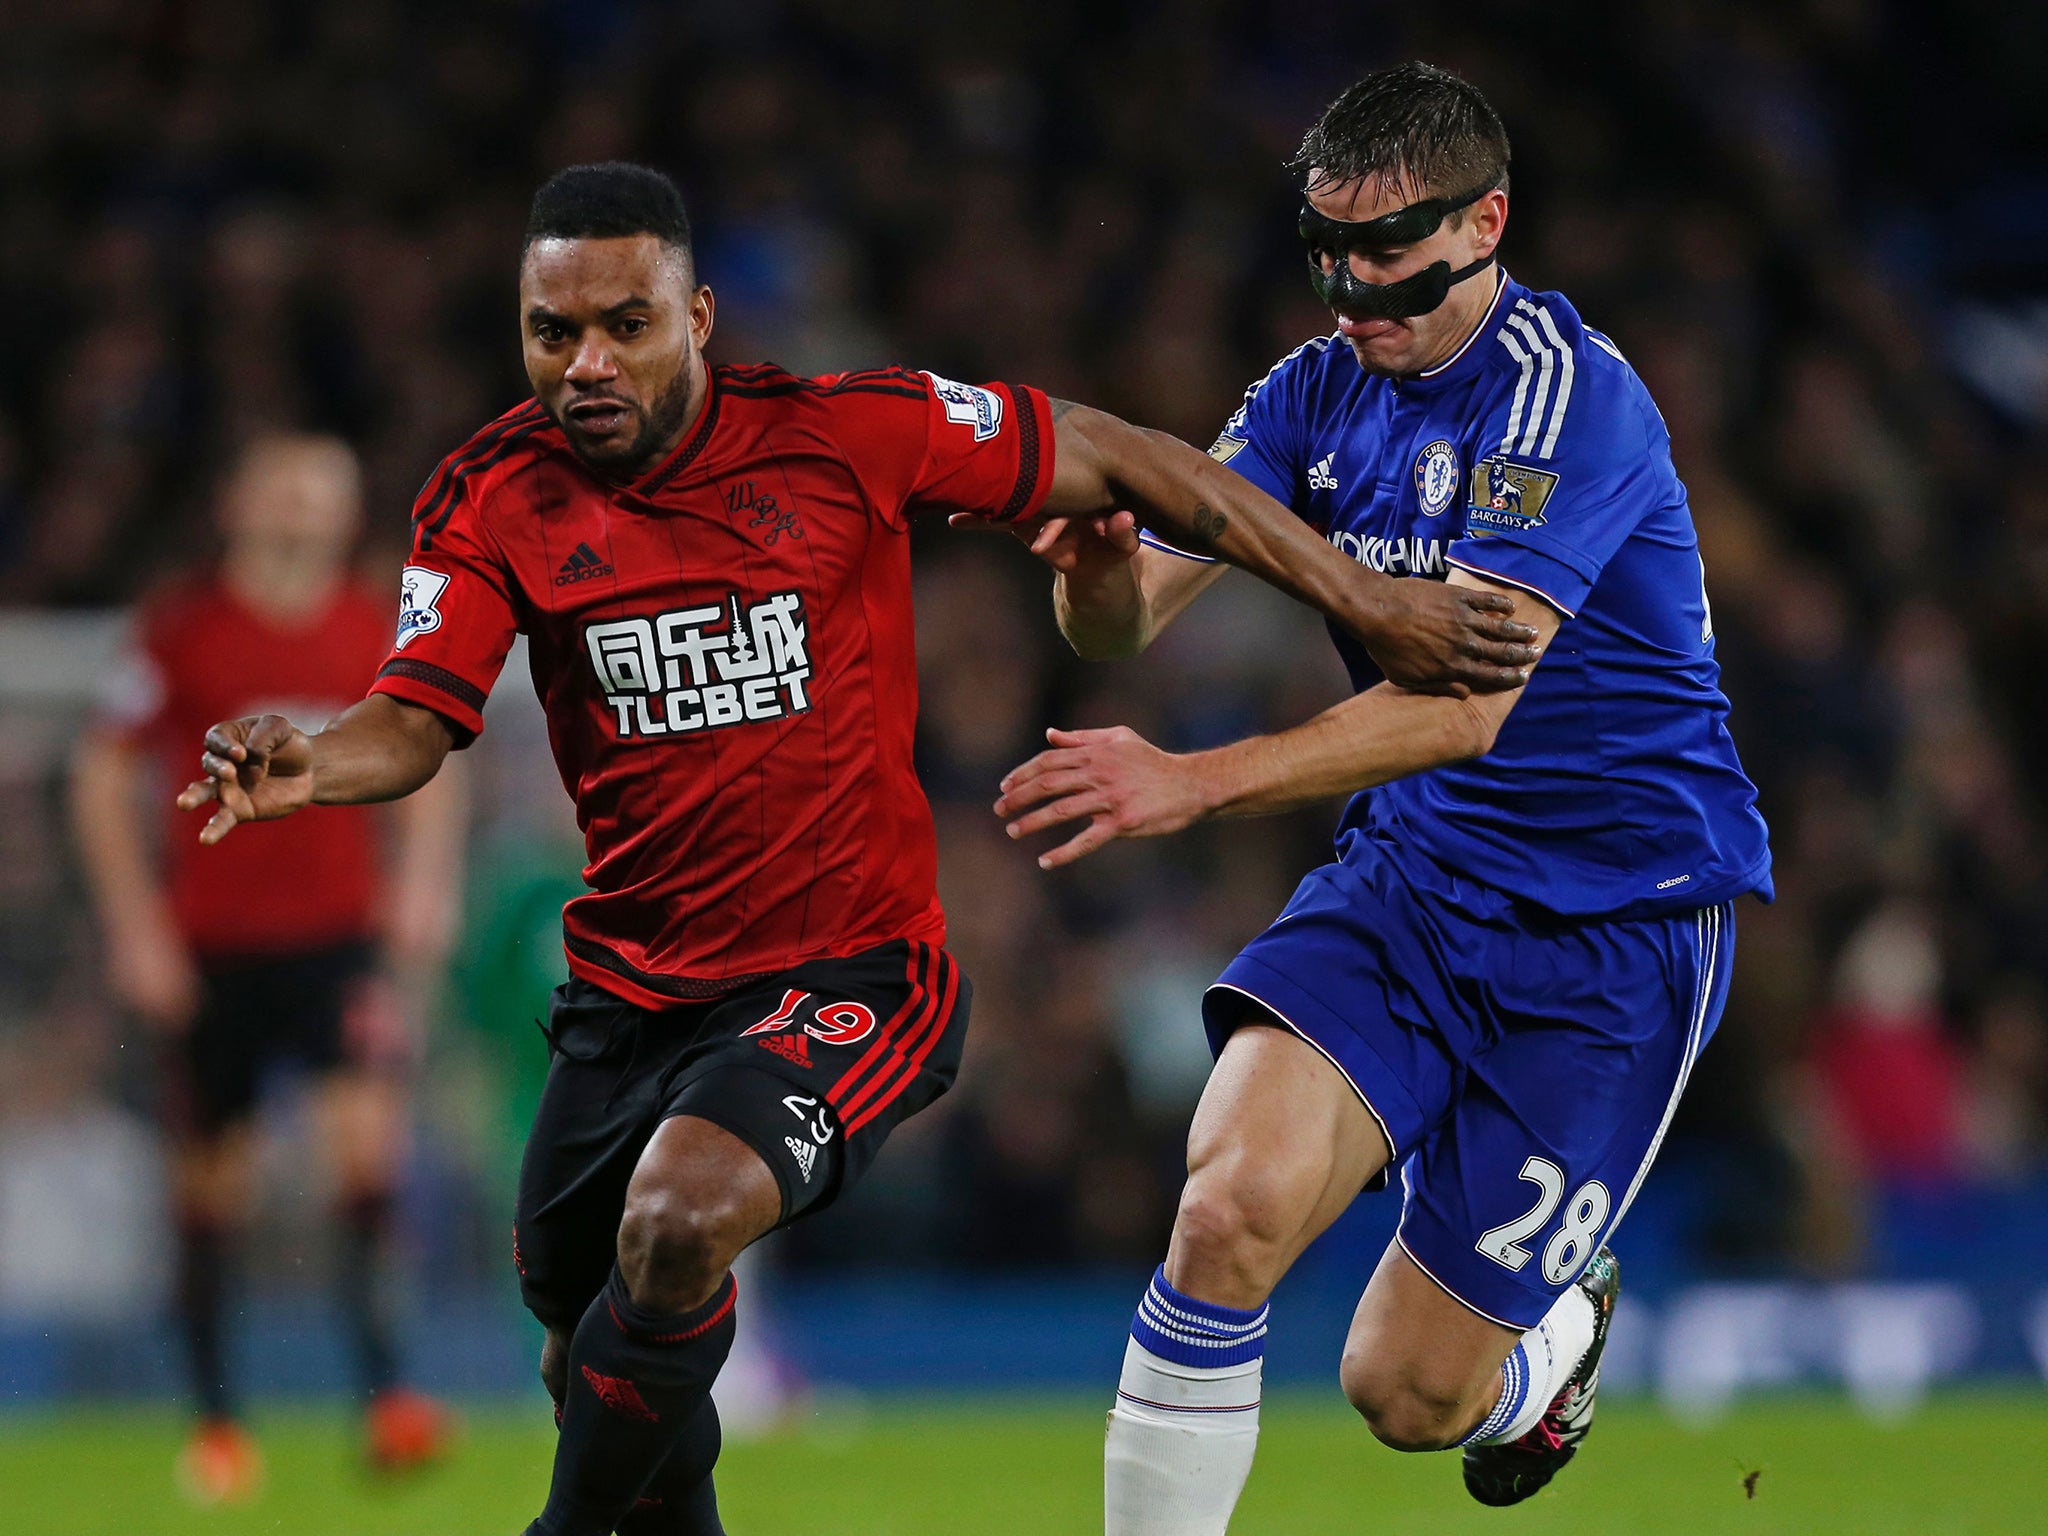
x: 687, y: 451
x: 1470, y: 357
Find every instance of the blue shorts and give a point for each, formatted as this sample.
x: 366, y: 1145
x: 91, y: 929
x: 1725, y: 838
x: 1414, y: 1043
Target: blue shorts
x: 1523, y: 1067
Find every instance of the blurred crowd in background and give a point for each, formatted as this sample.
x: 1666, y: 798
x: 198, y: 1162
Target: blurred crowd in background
x: 221, y: 216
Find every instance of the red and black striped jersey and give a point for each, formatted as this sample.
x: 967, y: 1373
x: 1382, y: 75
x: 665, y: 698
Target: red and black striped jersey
x: 725, y: 653
x: 300, y: 884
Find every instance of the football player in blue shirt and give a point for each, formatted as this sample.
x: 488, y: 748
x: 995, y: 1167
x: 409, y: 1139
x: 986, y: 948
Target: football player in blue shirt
x: 1500, y: 984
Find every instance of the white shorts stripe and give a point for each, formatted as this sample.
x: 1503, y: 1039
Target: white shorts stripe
x: 1437, y: 1280
x: 1710, y: 922
x: 1393, y: 1152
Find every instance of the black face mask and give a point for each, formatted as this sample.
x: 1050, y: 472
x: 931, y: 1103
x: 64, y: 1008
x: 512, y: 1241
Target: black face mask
x: 1416, y: 294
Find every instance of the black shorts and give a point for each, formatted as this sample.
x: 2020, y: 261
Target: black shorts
x: 812, y: 1069
x: 260, y: 1015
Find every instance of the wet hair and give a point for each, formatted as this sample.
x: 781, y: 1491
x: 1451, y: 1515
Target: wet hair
x: 1412, y: 126
x: 608, y: 201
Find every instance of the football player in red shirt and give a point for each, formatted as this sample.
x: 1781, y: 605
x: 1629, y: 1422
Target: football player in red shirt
x: 249, y: 956
x: 711, y: 567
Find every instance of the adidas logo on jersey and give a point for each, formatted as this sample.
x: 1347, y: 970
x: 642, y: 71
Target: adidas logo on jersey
x: 582, y: 565
x: 805, y: 1154
x: 1321, y: 477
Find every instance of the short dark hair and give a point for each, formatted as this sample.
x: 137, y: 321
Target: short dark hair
x: 1412, y: 123
x: 606, y: 201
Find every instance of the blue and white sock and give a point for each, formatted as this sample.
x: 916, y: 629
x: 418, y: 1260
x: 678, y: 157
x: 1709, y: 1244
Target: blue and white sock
x: 1536, y: 1367
x: 1186, y: 1418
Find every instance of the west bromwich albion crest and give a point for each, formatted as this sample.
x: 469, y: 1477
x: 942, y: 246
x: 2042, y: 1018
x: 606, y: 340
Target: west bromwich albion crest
x: 1436, y: 476
x: 1507, y: 495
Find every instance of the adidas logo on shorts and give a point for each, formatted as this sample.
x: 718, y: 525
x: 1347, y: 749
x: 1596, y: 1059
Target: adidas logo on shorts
x: 791, y: 1048
x: 806, y: 1155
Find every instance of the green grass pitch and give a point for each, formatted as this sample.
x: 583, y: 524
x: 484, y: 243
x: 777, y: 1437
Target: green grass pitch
x: 1010, y: 1466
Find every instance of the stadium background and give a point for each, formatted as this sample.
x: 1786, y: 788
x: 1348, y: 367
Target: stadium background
x: 1816, y: 228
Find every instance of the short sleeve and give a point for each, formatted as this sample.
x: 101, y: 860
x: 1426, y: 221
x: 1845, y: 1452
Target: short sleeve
x: 455, y: 619
x: 1555, y: 498
x: 1260, y: 442
x: 922, y: 444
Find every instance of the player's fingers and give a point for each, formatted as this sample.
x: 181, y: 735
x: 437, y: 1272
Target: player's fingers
x: 977, y: 520
x: 267, y: 736
x: 1071, y: 808
x: 1048, y: 534
x: 235, y: 800
x: 1060, y: 738
x: 197, y: 793
x: 1501, y: 653
x: 1484, y: 679
x: 225, y: 740
x: 1483, y: 601
x: 1497, y: 627
x: 1091, y: 837
x: 1024, y: 773
x: 220, y: 767
x: 218, y: 826
x: 1043, y: 788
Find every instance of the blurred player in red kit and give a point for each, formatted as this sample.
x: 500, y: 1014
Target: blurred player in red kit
x: 711, y: 566
x: 247, y: 958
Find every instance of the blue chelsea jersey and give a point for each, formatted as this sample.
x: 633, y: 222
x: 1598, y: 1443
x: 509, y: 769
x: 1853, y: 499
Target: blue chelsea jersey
x: 1535, y: 458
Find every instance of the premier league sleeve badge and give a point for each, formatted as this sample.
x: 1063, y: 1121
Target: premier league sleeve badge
x: 1507, y: 495
x: 1436, y: 476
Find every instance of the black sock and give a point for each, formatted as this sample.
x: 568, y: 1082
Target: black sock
x: 359, y: 1281
x: 679, y: 1499
x: 203, y: 1265
x: 636, y: 1382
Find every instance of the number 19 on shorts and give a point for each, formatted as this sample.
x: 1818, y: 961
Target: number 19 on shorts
x: 1568, y: 1249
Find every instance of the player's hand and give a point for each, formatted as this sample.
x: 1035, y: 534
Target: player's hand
x: 1433, y: 637
x: 1073, y: 546
x: 257, y: 769
x: 152, y: 972
x: 1120, y: 782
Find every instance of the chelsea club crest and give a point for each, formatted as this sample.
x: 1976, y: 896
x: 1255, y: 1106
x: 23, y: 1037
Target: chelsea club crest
x: 1436, y: 476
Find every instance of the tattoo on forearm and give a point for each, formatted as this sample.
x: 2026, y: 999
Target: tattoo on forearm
x: 1059, y: 407
x: 1209, y: 525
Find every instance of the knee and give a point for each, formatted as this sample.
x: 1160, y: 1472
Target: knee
x: 554, y: 1366
x: 1228, y: 1241
x: 1404, y: 1411
x: 675, y: 1247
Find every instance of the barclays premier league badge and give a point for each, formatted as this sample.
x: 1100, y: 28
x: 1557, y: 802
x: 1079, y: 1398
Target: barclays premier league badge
x: 1436, y: 476
x: 970, y: 405
x: 1507, y: 496
x: 419, y: 603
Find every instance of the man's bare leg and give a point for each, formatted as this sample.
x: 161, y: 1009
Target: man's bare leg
x: 1280, y: 1145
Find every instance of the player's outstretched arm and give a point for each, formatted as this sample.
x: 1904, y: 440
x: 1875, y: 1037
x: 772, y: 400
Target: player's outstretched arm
x: 1111, y: 595
x: 1424, y: 635
x: 1123, y: 786
x: 263, y: 767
